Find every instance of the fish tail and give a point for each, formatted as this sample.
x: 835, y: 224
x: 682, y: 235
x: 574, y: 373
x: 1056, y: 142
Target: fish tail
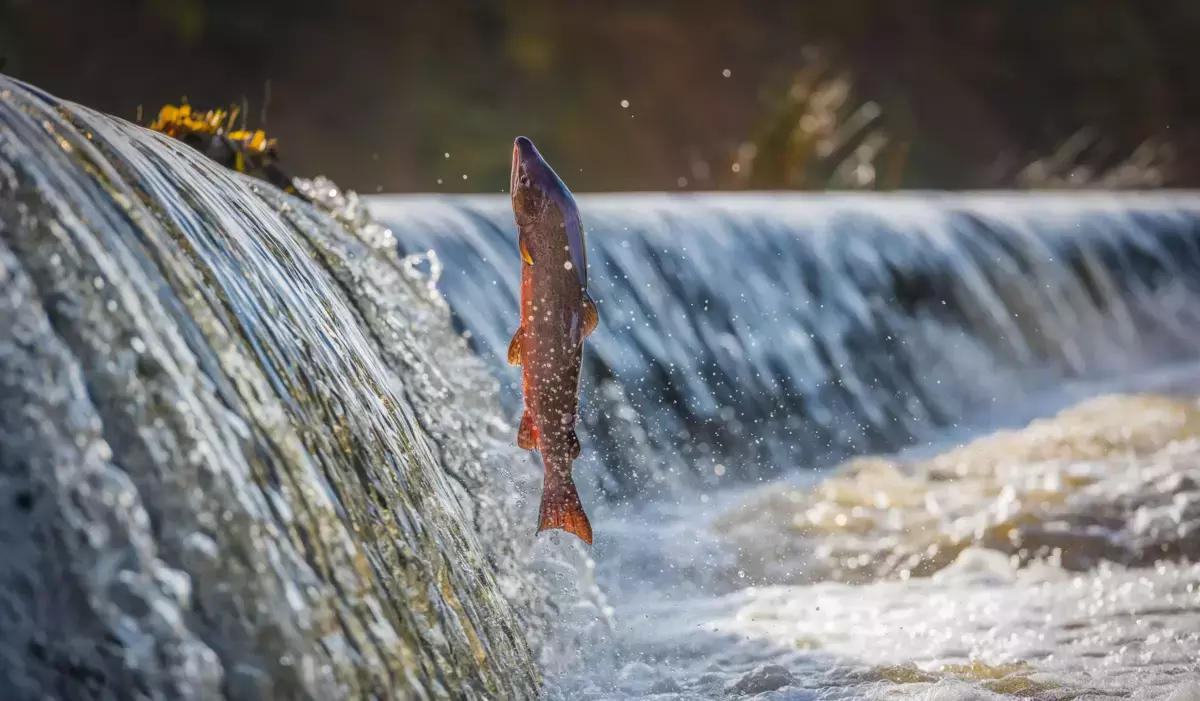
x: 561, y: 507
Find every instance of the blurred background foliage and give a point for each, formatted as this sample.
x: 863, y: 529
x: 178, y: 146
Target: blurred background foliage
x: 647, y: 94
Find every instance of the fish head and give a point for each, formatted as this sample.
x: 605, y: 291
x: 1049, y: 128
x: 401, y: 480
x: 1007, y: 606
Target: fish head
x: 542, y: 204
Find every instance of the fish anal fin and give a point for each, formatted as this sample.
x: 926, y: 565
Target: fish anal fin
x: 515, y: 347
x: 561, y: 507
x: 527, y: 433
x: 591, y: 316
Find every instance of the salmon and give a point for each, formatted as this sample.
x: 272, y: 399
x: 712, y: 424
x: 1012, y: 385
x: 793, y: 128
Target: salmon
x: 556, y: 316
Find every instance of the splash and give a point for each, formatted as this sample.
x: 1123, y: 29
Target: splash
x: 1113, y: 479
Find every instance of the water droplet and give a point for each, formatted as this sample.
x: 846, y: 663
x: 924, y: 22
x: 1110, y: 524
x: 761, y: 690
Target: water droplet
x: 726, y: 72
x: 625, y: 104
x: 567, y: 265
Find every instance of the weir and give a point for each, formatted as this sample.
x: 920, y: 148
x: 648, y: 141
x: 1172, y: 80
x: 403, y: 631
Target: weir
x: 242, y: 453
x: 745, y: 335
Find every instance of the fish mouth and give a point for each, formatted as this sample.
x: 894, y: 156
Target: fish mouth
x: 527, y: 166
x: 533, y: 184
x: 524, y: 151
x: 514, y: 174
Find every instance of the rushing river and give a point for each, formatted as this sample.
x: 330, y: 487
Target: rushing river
x: 750, y: 343
x: 913, y: 446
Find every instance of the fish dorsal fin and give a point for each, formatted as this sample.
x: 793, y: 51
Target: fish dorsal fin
x: 591, y: 316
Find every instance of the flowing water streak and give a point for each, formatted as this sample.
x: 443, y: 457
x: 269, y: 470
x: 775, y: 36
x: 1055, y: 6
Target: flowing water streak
x: 241, y: 450
x: 764, y: 332
x: 1046, y: 562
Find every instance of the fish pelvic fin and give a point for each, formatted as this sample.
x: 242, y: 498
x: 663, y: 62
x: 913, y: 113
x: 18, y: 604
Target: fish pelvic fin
x: 591, y: 316
x: 527, y: 433
x: 515, y: 346
x: 561, y: 507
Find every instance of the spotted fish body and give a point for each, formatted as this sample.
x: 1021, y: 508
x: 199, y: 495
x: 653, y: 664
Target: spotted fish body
x: 556, y: 316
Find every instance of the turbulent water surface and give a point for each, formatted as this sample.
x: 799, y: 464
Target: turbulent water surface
x: 746, y: 340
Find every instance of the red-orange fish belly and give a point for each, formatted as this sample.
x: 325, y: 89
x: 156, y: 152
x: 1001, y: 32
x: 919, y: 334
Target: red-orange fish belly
x: 556, y: 315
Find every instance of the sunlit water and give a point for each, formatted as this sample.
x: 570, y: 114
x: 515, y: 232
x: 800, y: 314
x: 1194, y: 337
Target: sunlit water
x: 1054, y: 564
x: 243, y: 454
x: 989, y: 556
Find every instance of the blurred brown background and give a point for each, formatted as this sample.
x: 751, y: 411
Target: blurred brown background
x: 787, y: 94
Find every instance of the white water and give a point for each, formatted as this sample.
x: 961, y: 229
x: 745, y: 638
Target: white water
x: 976, y: 562
x: 721, y: 598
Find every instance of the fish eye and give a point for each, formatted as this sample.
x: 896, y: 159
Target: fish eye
x: 523, y: 179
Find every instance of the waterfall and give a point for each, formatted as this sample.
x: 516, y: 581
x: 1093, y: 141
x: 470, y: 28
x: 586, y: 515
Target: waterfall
x: 242, y: 452
x: 742, y: 335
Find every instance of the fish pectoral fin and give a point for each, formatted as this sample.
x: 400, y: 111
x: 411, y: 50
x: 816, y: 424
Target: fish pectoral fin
x: 524, y: 250
x: 527, y: 433
x: 561, y: 507
x: 591, y: 316
x: 515, y: 347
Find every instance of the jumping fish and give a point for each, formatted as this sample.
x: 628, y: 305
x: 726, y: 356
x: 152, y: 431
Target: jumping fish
x: 556, y: 315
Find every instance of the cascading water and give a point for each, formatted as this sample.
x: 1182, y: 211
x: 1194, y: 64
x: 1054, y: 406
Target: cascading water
x: 765, y: 332
x: 246, y: 456
x: 242, y: 453
x: 752, y: 336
